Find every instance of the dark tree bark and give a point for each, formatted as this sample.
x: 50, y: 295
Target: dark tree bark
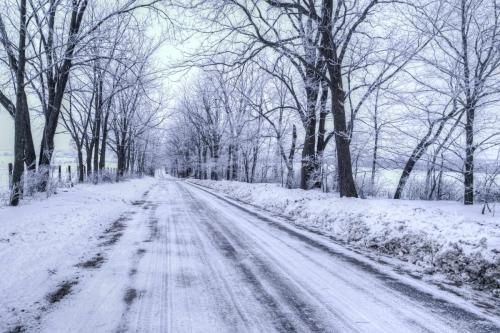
x: 229, y: 164
x: 80, y: 165
x: 376, y: 128
x: 321, y: 144
x: 308, y: 154
x: 246, y: 167
x: 347, y: 186
x: 205, y: 153
x: 291, y: 155
x: 20, y: 118
x: 97, y: 127
x: 104, y: 141
x: 374, y: 156
x: 197, y: 173
x: 235, y: 166
x: 89, y: 150
x: 255, y: 151
x: 128, y: 156
x: 29, y: 148
x: 215, y: 158
x: 120, y: 154
x: 410, y: 164
x: 469, y: 157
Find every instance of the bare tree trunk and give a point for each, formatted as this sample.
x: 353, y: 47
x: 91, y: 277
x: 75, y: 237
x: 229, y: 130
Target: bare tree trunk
x: 374, y: 160
x: 469, y: 157
x: 246, y: 167
x: 214, y: 175
x: 255, y: 150
x: 29, y: 147
x: 127, y: 158
x: 89, y: 148
x: 205, y: 165
x: 347, y: 187
x: 308, y: 155
x: 234, y: 166
x: 80, y: 165
x: 89, y: 162
x: 229, y: 165
x: 120, y: 155
x: 376, y: 128
x: 410, y: 164
x: 102, y: 158
x: 197, y: 173
x: 440, y: 180
x: 97, y: 128
x: 419, y: 150
x: 289, y: 162
x: 321, y: 144
x: 20, y: 119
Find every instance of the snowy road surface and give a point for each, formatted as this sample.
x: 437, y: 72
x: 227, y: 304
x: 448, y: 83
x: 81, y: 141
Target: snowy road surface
x: 185, y: 260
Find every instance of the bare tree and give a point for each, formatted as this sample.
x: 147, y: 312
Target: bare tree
x: 21, y: 107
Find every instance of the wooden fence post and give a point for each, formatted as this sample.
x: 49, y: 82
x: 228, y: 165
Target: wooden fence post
x: 10, y: 176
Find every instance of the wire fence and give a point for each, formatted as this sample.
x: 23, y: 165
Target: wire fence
x: 63, y: 175
x: 4, y: 177
x: 68, y: 166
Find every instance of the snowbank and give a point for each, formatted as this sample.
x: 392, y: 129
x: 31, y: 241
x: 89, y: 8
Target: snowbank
x: 41, y: 240
x: 440, y: 237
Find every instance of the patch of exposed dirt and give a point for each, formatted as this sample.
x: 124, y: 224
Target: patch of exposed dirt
x: 62, y: 291
x: 153, y: 228
x: 17, y: 329
x: 130, y: 296
x: 94, y: 262
x: 115, y: 232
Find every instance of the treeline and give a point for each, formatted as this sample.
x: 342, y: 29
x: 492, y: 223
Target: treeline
x: 83, y: 67
x: 412, y: 86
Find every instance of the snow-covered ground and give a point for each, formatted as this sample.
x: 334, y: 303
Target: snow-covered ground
x: 42, y: 240
x: 167, y: 256
x: 451, y: 242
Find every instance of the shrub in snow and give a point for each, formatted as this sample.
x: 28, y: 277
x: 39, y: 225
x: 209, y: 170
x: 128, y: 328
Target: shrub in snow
x: 470, y: 268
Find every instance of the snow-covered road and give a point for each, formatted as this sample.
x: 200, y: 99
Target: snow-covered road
x: 187, y: 260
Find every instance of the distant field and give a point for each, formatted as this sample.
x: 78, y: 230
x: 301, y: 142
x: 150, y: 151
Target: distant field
x: 387, y: 180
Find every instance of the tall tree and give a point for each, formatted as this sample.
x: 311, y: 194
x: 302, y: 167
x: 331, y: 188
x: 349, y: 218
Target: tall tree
x: 21, y: 108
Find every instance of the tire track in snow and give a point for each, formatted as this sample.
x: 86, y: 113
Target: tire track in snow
x: 198, y: 264
x: 284, y: 296
x: 456, y: 316
x: 193, y: 279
